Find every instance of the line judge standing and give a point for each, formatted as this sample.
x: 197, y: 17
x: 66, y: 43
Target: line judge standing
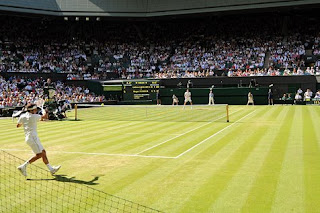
x: 211, y: 98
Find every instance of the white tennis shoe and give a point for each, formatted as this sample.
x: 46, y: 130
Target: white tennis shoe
x: 55, y: 169
x: 23, y: 170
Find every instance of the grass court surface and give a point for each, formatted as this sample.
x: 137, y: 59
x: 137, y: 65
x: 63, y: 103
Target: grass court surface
x: 266, y: 159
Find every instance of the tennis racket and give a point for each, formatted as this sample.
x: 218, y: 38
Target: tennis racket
x: 40, y: 102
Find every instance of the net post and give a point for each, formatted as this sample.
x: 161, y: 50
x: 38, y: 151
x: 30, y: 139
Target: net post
x: 227, y: 108
x: 76, y: 112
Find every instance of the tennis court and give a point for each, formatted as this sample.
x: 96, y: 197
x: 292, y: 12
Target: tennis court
x: 266, y: 159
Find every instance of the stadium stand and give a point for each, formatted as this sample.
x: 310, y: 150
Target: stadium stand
x: 19, y: 91
x: 187, y: 48
x: 47, y: 38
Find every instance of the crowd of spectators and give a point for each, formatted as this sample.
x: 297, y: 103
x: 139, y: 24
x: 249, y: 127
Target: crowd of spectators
x: 274, y: 72
x: 158, y: 49
x: 301, y: 97
x: 308, y: 95
x: 17, y: 91
x: 288, y: 53
x: 316, y: 45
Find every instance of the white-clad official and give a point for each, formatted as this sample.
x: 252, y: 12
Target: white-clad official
x: 187, y: 97
x: 211, y: 98
x: 29, y: 122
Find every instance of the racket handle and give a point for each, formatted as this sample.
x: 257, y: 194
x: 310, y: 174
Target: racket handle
x: 43, y: 111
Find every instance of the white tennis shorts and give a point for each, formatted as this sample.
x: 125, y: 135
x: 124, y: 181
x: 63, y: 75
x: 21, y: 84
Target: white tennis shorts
x: 35, y: 144
x: 187, y: 100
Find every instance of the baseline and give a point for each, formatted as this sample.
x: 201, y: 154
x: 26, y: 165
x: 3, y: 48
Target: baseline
x: 96, y: 153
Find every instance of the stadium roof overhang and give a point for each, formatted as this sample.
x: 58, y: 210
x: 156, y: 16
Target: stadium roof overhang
x: 145, y: 8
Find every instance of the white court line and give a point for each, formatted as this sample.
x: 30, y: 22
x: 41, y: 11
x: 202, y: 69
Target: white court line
x: 136, y: 155
x: 198, y: 144
x: 146, y: 156
x: 96, y: 153
x: 182, y: 134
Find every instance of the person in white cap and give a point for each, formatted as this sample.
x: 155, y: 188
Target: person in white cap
x: 29, y: 122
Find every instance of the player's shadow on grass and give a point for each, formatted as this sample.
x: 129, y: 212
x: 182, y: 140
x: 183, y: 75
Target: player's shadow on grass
x: 64, y: 178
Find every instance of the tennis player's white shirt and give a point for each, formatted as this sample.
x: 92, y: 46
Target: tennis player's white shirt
x: 187, y: 97
x: 29, y: 122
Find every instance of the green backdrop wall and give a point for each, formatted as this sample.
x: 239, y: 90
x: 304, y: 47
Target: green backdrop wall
x: 221, y: 95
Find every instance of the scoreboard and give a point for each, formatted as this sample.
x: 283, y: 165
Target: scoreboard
x: 140, y: 89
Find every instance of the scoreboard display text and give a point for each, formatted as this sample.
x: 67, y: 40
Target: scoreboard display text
x: 140, y: 90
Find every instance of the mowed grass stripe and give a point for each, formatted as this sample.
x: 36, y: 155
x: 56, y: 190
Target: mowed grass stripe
x: 169, y: 184
x: 311, y: 156
x: 71, y: 140
x: 134, y: 177
x: 183, y: 179
x: 126, y: 144
x: 121, y: 180
x: 152, y: 123
x: 95, y: 135
x: 236, y: 192
x: 169, y: 180
x: 8, y: 131
x: 12, y: 129
x: 59, y: 132
x: 103, y: 128
x: 120, y: 143
x: 290, y: 189
x: 219, y: 180
x: 268, y: 177
x: 315, y: 119
x: 63, y: 128
x: 54, y: 127
x: 184, y: 142
x: 50, y: 135
x: 188, y: 140
x: 198, y: 113
x: 125, y: 176
x: 114, y: 113
x: 172, y: 127
x: 91, y: 135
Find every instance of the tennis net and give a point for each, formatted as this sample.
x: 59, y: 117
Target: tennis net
x: 195, y: 113
x: 42, y: 192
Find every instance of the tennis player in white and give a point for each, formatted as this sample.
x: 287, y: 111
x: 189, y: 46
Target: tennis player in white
x: 29, y: 122
x: 187, y: 98
x: 175, y: 100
